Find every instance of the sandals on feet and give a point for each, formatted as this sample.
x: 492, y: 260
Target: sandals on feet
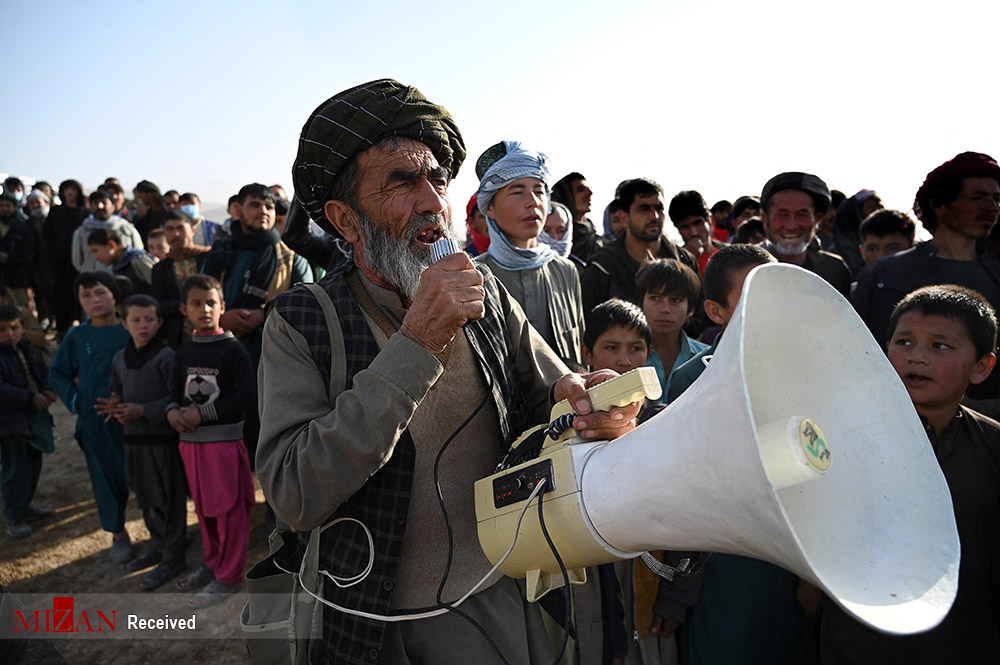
x: 197, y: 579
x: 214, y: 593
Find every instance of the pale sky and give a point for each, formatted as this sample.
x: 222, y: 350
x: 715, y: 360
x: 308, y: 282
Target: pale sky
x: 713, y: 96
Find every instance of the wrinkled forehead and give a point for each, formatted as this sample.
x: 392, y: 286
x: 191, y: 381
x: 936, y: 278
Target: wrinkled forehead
x: 408, y: 155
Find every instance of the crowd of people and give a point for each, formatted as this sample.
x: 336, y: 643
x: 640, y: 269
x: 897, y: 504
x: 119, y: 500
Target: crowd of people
x: 159, y: 321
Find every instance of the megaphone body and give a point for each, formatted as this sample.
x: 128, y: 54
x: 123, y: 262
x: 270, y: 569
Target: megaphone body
x: 798, y: 445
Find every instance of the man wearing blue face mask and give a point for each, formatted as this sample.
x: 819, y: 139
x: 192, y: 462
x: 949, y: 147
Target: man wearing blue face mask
x: 204, y: 230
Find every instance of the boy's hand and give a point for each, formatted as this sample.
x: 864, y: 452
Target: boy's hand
x: 192, y: 415
x: 127, y: 412
x: 42, y: 401
x: 106, y: 406
x: 177, y: 421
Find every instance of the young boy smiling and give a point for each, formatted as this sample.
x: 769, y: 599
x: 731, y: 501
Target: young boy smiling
x: 941, y: 340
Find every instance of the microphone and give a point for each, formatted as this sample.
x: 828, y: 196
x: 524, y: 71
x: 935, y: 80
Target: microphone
x: 442, y: 248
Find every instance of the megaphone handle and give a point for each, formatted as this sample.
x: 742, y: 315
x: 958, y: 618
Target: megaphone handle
x: 685, y: 568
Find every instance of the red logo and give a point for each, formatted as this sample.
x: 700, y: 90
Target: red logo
x: 62, y: 619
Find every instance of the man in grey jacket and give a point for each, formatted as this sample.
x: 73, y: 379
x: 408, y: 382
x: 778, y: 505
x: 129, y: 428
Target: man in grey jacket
x: 423, y: 346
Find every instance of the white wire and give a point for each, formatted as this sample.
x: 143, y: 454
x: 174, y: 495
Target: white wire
x: 430, y: 613
x: 345, y: 582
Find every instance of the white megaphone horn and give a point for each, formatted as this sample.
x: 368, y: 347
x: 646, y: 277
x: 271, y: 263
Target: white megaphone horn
x: 798, y: 445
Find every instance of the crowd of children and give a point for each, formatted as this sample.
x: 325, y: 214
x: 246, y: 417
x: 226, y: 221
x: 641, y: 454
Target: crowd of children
x: 160, y: 423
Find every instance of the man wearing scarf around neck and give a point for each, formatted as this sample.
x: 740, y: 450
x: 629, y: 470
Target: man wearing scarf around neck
x: 422, y: 346
x: 514, y: 196
x: 254, y: 266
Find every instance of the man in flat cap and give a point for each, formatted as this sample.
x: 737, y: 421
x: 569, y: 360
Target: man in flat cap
x: 791, y: 206
x: 959, y: 203
x: 436, y: 373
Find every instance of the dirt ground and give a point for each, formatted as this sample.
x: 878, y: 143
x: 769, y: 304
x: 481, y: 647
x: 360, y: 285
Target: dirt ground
x: 67, y: 555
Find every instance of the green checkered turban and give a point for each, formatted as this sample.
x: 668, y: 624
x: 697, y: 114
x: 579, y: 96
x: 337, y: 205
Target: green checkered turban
x: 354, y: 120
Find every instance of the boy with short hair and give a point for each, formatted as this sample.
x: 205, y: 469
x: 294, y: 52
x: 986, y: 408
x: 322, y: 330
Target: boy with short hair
x: 884, y: 233
x: 25, y: 424
x: 668, y: 291
x: 941, y: 340
x: 158, y: 245
x: 617, y: 336
x: 142, y: 379
x: 80, y: 374
x: 215, y: 386
x: 130, y: 262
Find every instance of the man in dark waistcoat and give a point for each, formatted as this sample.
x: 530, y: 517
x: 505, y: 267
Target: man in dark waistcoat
x: 424, y: 347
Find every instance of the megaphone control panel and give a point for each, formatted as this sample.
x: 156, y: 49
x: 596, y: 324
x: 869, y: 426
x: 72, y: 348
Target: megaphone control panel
x: 518, y: 485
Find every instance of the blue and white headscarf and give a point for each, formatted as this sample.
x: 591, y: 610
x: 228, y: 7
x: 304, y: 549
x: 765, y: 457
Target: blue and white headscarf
x: 499, y: 166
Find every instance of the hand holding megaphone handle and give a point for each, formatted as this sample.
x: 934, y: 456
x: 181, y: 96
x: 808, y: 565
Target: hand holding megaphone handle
x: 630, y: 387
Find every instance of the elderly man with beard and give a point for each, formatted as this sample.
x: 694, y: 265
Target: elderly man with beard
x: 791, y: 207
x: 425, y: 347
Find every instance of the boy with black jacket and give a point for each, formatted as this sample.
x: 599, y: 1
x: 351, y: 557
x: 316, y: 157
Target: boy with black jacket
x: 25, y: 423
x: 215, y: 387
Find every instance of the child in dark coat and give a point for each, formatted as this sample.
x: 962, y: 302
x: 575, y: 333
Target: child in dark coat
x: 25, y: 423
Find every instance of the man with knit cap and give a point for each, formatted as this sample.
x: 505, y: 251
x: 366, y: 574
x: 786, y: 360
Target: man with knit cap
x: 791, y: 206
x: 959, y: 203
x: 422, y: 345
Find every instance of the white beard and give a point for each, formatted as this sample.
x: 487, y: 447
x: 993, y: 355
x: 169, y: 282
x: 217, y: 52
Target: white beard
x: 400, y: 264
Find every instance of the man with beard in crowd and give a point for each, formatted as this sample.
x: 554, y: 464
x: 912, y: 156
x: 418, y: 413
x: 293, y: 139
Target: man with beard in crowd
x: 610, y: 273
x: 791, y: 205
x: 422, y: 346
x: 253, y: 266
